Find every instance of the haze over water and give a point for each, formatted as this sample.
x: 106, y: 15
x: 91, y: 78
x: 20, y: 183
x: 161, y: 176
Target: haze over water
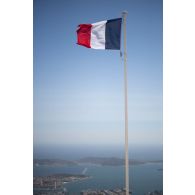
x: 76, y: 152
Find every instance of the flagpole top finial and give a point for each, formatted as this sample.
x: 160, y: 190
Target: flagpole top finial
x: 124, y: 13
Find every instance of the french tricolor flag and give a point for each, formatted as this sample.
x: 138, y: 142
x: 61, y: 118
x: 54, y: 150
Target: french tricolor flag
x: 100, y: 35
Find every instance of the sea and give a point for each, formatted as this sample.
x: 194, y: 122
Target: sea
x: 143, y: 178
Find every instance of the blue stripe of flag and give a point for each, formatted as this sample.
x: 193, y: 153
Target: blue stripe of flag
x: 113, y: 34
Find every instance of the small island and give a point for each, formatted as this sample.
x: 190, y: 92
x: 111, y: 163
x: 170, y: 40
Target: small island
x: 113, y: 161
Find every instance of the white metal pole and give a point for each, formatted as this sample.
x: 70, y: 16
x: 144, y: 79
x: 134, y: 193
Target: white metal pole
x: 124, y: 14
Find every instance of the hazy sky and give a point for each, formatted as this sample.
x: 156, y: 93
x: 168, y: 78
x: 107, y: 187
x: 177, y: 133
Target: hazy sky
x: 79, y: 92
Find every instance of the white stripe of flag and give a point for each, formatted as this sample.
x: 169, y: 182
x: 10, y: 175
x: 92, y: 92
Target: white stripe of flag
x: 98, y: 39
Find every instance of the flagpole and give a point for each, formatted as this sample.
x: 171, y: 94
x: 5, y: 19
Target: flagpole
x: 124, y: 15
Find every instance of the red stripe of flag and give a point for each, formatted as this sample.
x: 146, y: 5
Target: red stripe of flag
x: 84, y: 35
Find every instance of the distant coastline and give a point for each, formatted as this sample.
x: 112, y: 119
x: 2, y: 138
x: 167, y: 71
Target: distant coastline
x: 101, y: 161
x: 53, y: 162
